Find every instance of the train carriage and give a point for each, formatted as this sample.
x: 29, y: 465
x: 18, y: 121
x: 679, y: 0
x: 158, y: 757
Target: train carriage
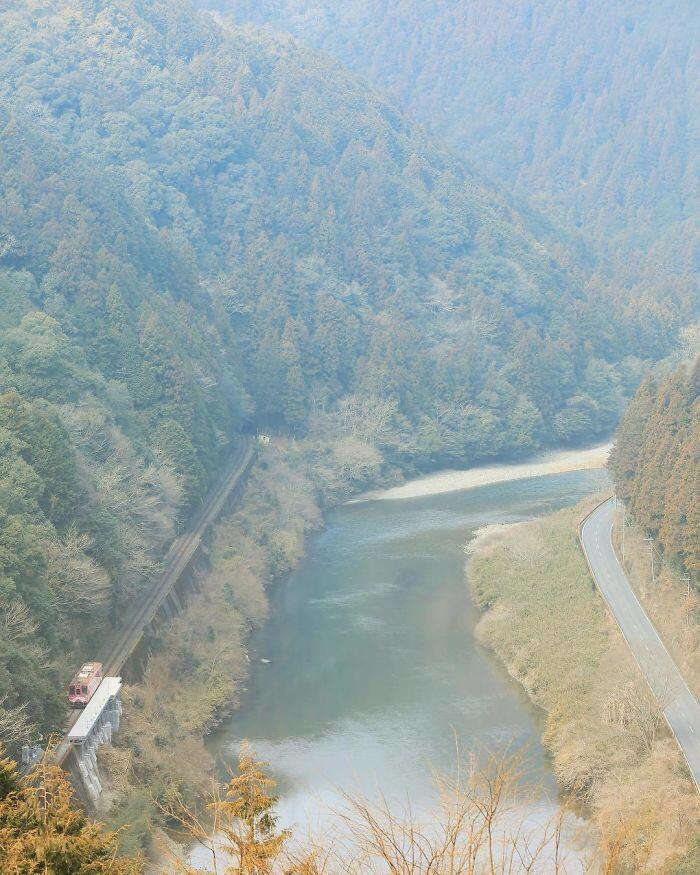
x: 84, y: 684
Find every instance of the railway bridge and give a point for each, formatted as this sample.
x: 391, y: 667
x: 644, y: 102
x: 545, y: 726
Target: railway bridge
x: 93, y: 727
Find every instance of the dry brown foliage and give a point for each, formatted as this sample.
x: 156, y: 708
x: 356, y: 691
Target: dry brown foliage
x: 478, y: 827
x: 610, y: 746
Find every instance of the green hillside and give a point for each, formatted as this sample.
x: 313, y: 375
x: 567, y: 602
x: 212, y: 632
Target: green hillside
x: 204, y: 227
x: 585, y: 111
x: 350, y: 256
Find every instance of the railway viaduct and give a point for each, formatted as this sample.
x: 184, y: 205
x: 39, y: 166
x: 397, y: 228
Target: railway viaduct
x: 76, y: 752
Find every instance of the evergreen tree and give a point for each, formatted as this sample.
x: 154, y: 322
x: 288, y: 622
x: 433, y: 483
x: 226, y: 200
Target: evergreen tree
x: 42, y: 831
x: 247, y: 818
x: 176, y: 449
x: 656, y: 463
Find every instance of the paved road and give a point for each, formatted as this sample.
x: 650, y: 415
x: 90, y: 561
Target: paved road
x: 681, y: 707
x: 175, y: 562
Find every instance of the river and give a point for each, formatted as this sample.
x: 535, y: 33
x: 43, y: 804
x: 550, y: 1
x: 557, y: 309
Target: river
x: 368, y: 669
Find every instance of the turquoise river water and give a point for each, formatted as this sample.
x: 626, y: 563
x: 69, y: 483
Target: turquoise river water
x: 372, y: 670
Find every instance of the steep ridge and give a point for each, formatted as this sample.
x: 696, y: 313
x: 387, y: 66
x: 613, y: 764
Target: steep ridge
x: 585, y: 111
x: 202, y: 226
x: 351, y: 256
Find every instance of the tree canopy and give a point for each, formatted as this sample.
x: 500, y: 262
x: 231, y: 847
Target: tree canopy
x: 43, y: 831
x: 582, y: 111
x: 345, y: 253
x: 656, y: 463
x: 204, y: 226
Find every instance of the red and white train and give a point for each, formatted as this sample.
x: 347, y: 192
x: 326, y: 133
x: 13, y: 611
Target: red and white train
x: 84, y: 684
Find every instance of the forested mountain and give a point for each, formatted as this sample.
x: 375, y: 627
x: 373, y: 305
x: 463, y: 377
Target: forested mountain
x: 203, y: 225
x: 585, y: 110
x: 117, y: 396
x: 656, y: 463
x: 350, y: 256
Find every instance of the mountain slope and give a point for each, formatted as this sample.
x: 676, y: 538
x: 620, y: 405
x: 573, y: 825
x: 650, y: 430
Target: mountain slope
x: 587, y: 111
x: 351, y: 256
x: 205, y: 226
x: 107, y: 429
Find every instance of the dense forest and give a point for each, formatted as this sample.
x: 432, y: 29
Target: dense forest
x: 209, y: 228
x: 656, y: 463
x: 118, y: 395
x: 204, y: 227
x: 351, y: 258
x: 583, y: 111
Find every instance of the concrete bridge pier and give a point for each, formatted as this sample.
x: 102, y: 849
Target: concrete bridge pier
x: 94, y: 727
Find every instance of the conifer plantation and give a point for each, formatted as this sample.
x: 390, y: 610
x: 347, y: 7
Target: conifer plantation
x: 582, y: 112
x: 656, y: 463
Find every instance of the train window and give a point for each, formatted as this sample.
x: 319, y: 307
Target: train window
x: 72, y: 690
x: 85, y: 691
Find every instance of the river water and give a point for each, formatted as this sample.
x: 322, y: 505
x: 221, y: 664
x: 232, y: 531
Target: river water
x: 372, y: 669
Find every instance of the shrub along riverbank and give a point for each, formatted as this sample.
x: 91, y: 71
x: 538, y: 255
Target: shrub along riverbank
x: 541, y: 615
x: 199, y: 664
x: 609, y: 744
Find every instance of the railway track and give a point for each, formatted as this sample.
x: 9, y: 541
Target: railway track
x: 176, y: 561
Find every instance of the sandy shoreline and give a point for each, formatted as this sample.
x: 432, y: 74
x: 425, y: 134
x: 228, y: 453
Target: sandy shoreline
x: 556, y: 462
